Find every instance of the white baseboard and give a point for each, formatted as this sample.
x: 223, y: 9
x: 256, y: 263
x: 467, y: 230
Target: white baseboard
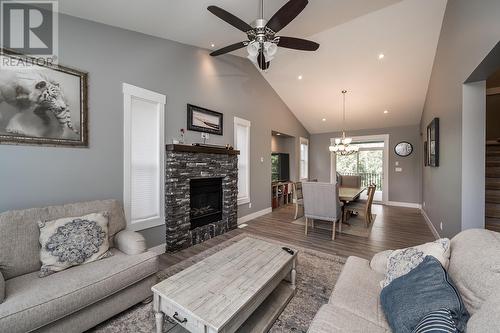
x: 255, y: 215
x: 158, y: 249
x: 429, y: 223
x: 404, y: 204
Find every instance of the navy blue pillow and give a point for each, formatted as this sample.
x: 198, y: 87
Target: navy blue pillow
x: 425, y: 289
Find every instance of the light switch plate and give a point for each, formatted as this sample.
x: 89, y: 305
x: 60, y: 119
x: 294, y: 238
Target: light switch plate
x: 397, y: 163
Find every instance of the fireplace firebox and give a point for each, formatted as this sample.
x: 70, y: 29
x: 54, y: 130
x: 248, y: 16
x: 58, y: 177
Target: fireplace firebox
x: 205, y: 201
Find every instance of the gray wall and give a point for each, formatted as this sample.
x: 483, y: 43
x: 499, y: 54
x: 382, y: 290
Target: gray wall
x: 403, y: 186
x: 38, y: 176
x: 470, y: 30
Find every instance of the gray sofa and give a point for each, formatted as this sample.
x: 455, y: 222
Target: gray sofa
x: 354, y: 305
x: 80, y: 297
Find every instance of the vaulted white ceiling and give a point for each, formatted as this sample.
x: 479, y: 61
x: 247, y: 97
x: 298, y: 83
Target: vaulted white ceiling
x: 352, y: 34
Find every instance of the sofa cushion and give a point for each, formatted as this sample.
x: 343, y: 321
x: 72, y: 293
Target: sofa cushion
x: 73, y: 241
x: 130, y: 242
x: 19, y: 234
x: 474, y: 265
x: 332, y: 319
x: 427, y: 288
x: 358, y: 291
x: 486, y: 320
x: 379, y: 261
x: 32, y: 302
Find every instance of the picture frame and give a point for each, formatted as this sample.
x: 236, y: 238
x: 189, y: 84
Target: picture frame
x: 425, y: 154
x: 42, y: 104
x: 204, y: 120
x: 433, y: 143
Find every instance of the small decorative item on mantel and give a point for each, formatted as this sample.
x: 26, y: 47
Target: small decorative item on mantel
x: 181, y: 140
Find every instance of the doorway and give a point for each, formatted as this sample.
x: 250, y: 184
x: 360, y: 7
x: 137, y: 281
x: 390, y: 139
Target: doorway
x: 370, y: 162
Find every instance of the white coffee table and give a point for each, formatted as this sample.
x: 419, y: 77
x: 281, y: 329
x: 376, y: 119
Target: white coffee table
x: 221, y: 292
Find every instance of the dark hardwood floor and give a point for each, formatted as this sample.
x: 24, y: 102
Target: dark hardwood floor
x: 394, y: 227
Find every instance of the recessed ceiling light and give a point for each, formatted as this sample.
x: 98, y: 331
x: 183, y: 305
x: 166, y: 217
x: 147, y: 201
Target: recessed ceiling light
x: 278, y: 133
x: 381, y: 56
x: 386, y: 111
x: 299, y: 77
x: 323, y: 120
x: 212, y: 45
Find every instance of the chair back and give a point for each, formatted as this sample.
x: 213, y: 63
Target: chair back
x: 321, y: 201
x: 350, y: 181
x: 369, y: 200
x: 297, y: 190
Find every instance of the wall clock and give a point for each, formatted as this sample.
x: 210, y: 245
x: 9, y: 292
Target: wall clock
x: 403, y: 149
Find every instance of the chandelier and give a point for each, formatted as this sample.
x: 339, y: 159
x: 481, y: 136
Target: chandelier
x: 342, y: 145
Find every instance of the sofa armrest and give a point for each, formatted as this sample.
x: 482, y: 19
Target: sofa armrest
x: 2, y: 288
x: 130, y: 242
x: 379, y: 261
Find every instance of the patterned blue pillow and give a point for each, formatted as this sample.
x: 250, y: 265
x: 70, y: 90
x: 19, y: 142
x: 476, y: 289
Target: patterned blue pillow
x: 439, y: 321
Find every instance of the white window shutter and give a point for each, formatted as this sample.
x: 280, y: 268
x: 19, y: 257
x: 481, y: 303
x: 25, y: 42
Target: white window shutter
x: 143, y: 157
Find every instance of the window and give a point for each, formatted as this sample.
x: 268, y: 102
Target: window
x: 304, y: 158
x: 242, y: 143
x: 143, y: 152
x: 368, y: 163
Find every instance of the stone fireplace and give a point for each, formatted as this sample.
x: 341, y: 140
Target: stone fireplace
x: 201, y: 192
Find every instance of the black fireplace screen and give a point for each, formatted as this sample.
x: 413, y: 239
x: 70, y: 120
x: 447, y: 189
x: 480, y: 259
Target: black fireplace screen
x: 206, y: 201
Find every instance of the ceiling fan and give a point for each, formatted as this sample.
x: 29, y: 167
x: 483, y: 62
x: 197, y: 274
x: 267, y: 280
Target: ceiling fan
x: 262, y: 43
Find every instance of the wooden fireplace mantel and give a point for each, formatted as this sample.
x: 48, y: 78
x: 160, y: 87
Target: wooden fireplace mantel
x: 200, y: 149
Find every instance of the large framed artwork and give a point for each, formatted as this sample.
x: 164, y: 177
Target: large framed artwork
x: 433, y: 143
x: 42, y: 104
x: 203, y: 120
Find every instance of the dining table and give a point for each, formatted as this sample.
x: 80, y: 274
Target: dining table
x: 346, y: 195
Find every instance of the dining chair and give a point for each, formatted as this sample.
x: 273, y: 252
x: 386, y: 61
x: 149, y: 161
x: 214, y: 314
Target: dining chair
x: 298, y: 197
x: 364, y: 207
x: 350, y: 181
x: 321, y: 201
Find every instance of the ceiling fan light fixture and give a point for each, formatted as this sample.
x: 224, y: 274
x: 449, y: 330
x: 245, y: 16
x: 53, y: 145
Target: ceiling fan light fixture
x: 270, y: 50
x: 253, y: 51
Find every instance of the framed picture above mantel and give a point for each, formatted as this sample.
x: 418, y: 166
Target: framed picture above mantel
x: 41, y: 104
x: 204, y: 120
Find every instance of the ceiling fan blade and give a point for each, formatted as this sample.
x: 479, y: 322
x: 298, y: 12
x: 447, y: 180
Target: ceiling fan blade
x: 261, y: 59
x: 230, y: 18
x: 228, y: 49
x: 298, y: 44
x: 286, y: 14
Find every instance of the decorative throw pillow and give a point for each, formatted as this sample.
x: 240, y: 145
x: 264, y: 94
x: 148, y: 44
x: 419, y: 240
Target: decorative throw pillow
x: 72, y: 241
x: 401, y: 262
x: 427, y: 288
x: 438, y: 321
